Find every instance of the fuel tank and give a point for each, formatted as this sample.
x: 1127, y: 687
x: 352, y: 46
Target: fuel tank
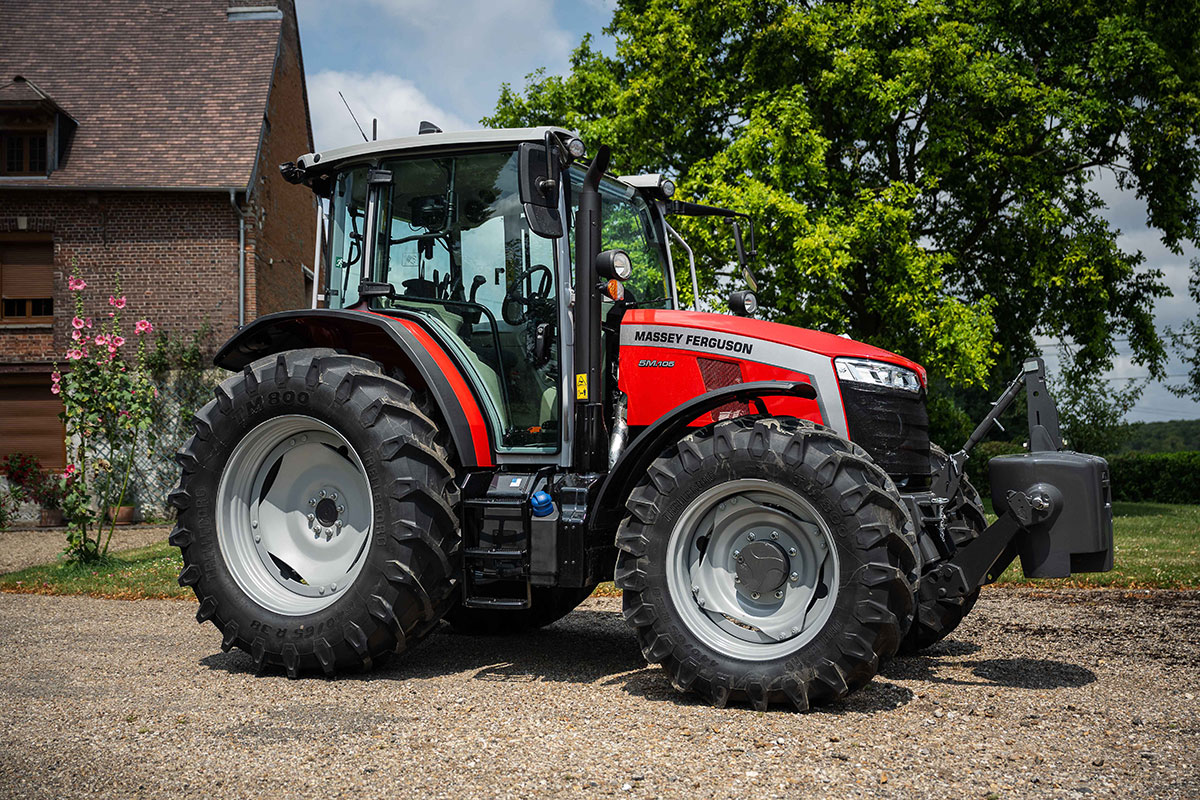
x: 668, y: 357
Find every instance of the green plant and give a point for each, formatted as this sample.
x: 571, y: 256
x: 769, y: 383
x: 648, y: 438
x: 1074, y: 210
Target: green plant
x: 8, y: 508
x: 107, y: 398
x: 29, y: 481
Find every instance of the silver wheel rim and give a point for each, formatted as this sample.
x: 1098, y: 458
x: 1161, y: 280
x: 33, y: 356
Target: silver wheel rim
x: 756, y: 520
x: 294, y: 515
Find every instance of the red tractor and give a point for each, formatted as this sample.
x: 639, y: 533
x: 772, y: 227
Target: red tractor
x: 501, y: 404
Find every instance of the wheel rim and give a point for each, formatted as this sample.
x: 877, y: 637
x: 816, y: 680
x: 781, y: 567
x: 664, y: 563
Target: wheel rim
x: 752, y: 537
x: 294, y: 514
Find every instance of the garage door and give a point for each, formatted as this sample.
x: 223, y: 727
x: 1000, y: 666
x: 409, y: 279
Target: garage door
x: 29, y: 419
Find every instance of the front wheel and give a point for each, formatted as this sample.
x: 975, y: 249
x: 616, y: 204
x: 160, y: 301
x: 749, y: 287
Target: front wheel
x: 317, y: 514
x: 766, y: 560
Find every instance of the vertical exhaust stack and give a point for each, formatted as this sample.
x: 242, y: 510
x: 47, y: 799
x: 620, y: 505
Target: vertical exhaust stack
x: 590, y: 435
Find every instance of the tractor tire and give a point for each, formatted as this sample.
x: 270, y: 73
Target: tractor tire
x: 767, y: 560
x: 965, y: 520
x: 317, y: 514
x: 549, y: 604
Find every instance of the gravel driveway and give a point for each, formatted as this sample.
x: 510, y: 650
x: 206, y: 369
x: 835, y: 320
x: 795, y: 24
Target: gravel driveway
x: 1070, y: 695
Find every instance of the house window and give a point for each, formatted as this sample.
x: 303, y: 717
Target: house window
x: 24, y: 152
x: 27, y: 281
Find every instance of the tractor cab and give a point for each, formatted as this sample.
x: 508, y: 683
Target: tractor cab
x: 445, y: 238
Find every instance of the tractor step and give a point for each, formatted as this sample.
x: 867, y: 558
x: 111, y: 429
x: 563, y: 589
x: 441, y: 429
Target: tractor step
x: 496, y: 541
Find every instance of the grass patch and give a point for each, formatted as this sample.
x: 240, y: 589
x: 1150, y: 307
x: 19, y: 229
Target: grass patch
x: 148, y: 572
x: 1157, y: 547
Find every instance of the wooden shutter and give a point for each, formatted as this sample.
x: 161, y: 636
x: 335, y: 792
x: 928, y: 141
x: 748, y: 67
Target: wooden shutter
x: 29, y: 420
x: 27, y: 270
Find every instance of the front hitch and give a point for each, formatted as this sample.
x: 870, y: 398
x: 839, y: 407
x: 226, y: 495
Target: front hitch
x: 1054, y: 506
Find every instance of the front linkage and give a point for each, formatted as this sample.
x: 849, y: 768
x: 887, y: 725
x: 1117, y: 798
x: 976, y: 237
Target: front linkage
x: 1055, y: 506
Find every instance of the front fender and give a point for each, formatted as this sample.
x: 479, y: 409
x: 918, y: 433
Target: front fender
x: 401, y: 343
x: 637, y: 457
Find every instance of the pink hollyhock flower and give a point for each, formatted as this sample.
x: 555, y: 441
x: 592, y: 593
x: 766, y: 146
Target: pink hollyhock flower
x: 118, y: 340
x: 101, y: 338
x: 55, y: 389
x: 89, y: 322
x: 112, y: 350
x: 78, y: 323
x: 118, y: 302
x: 143, y: 326
x: 74, y: 354
x: 76, y: 335
x: 75, y: 284
x: 70, y: 470
x: 56, y: 376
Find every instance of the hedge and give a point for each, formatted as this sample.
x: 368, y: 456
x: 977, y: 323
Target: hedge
x: 1156, y: 477
x: 1136, y: 477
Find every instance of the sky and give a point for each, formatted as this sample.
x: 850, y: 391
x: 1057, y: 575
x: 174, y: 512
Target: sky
x: 403, y: 61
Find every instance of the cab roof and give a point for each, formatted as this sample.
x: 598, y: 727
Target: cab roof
x: 318, y: 162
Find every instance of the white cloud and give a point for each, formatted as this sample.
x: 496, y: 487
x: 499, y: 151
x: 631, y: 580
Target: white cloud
x: 467, y: 48
x: 397, y: 103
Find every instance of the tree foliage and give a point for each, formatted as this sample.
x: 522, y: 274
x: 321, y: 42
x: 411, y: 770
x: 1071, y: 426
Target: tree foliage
x: 919, y: 169
x: 1186, y: 340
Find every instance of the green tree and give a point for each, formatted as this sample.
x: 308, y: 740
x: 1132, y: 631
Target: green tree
x: 1186, y: 340
x: 920, y: 170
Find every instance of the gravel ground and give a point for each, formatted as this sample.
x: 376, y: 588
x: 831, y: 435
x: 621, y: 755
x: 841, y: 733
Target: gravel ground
x: 1077, y: 694
x: 25, y: 548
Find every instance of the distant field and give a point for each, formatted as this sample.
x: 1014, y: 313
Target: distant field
x: 1157, y: 547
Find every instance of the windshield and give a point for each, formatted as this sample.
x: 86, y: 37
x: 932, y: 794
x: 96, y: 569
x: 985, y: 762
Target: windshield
x: 628, y: 226
x: 452, y: 240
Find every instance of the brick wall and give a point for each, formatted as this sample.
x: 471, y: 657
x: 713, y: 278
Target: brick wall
x: 285, y: 215
x: 176, y: 253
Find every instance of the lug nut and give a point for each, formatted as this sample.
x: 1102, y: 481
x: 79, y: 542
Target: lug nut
x: 322, y: 493
x: 737, y: 553
x: 321, y: 590
x: 341, y: 509
x: 795, y: 631
x: 792, y: 551
x: 333, y: 496
x: 312, y: 501
x: 257, y: 538
x: 774, y: 534
x: 754, y: 595
x: 700, y: 601
x: 737, y: 578
x: 779, y: 594
x: 750, y: 536
x: 254, y: 523
x: 795, y: 576
x: 339, y: 524
x: 333, y: 587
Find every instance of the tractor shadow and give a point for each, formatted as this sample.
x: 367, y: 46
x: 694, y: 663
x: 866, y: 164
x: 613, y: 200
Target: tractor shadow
x: 588, y: 647
x: 944, y: 663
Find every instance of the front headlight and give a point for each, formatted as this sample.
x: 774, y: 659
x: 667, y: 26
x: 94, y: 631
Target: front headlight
x: 877, y: 373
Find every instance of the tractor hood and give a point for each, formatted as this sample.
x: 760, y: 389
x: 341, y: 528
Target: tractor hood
x: 826, y: 344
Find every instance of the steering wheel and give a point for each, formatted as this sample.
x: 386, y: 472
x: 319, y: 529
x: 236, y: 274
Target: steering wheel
x: 515, y: 304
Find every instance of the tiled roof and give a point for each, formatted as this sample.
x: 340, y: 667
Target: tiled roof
x: 167, y: 94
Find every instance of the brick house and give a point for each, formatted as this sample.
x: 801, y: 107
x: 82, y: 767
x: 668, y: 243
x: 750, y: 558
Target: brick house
x: 143, y: 138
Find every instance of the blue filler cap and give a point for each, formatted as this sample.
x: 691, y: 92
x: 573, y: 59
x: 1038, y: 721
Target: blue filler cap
x: 541, y: 504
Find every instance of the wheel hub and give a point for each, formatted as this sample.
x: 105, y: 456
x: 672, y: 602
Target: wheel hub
x: 759, y: 563
x: 295, y: 514
x: 761, y: 567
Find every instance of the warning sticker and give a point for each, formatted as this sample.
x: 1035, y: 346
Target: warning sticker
x: 581, y: 387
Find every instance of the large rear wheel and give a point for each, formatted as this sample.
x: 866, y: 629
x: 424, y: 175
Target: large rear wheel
x: 317, y: 514
x: 766, y: 560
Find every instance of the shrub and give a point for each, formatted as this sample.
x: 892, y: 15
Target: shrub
x: 8, y: 509
x: 1156, y: 477
x: 29, y: 481
x: 977, y: 469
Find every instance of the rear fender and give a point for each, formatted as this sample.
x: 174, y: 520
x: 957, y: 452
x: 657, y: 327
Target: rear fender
x: 401, y: 344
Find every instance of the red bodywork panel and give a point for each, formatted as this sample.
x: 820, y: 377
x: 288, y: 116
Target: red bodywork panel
x: 669, y: 357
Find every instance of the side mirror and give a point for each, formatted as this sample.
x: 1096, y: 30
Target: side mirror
x: 539, y: 179
x: 743, y: 304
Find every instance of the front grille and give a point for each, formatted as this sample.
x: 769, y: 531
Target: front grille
x: 892, y: 426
